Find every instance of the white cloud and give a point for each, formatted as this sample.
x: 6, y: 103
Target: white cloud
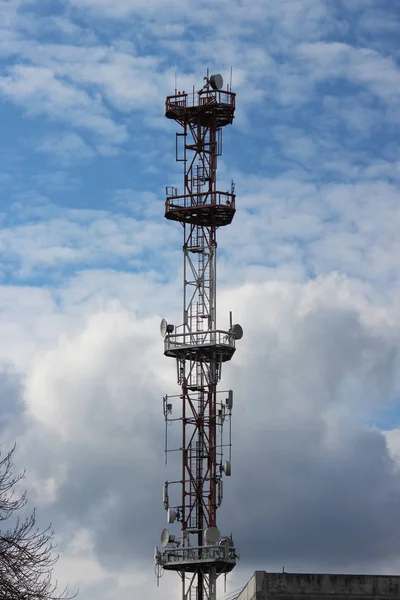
x: 39, y: 91
x: 314, y: 15
x: 325, y: 356
x: 68, y: 381
x: 66, y: 148
x: 284, y: 221
x: 123, y: 8
x: 377, y: 21
x: 360, y: 66
x: 126, y: 79
x: 64, y: 237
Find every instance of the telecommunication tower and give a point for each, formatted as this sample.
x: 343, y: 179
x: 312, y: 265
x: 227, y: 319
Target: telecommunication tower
x: 199, y: 553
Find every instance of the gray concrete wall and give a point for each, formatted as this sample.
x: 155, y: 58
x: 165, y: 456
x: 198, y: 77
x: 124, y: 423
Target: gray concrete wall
x: 296, y: 586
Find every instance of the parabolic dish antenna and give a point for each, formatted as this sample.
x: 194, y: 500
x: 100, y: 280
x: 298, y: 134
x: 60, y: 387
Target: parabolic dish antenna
x: 171, y: 515
x: 237, y: 331
x: 163, y: 327
x: 212, y: 535
x: 227, y: 468
x: 216, y: 81
x: 166, y: 538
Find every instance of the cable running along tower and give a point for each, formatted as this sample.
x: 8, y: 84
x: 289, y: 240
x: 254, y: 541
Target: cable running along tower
x: 199, y: 553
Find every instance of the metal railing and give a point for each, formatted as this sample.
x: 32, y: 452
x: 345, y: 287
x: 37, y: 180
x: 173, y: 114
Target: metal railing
x: 202, y: 98
x: 201, y: 553
x: 216, y: 97
x: 197, y: 339
x: 199, y: 200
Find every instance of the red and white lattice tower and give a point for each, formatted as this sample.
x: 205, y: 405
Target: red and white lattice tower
x: 199, y: 553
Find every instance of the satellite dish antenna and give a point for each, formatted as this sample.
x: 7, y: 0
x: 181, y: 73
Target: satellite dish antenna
x: 171, y: 515
x: 166, y: 538
x: 237, y: 331
x: 216, y: 81
x: 212, y: 535
x: 227, y: 468
x: 163, y: 327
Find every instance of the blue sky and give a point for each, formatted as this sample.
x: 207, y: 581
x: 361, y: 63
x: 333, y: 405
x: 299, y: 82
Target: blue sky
x: 309, y: 266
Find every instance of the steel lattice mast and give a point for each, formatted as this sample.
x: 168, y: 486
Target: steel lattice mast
x: 199, y: 554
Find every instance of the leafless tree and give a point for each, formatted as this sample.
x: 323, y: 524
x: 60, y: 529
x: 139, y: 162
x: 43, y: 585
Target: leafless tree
x: 26, y: 552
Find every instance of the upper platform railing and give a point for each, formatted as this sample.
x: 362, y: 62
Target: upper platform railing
x: 201, y: 98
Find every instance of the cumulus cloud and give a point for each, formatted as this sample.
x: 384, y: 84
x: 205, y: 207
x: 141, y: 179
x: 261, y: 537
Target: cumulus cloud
x: 322, y: 484
x: 316, y: 359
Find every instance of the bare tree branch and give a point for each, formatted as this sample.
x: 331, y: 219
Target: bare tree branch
x: 26, y: 552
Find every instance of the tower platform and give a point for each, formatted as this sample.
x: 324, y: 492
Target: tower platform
x: 208, y: 108
x: 222, y: 558
x: 203, y: 346
x: 207, y: 209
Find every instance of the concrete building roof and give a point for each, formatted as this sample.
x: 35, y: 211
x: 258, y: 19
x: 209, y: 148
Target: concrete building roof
x: 306, y: 586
